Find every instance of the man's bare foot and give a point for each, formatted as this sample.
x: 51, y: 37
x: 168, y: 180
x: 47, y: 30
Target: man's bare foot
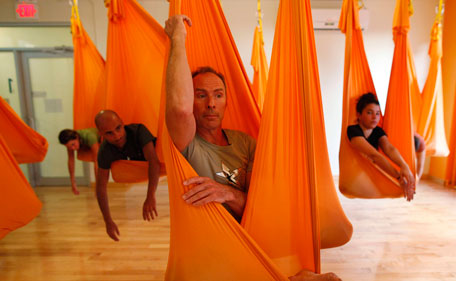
x: 305, y: 275
x: 75, y: 191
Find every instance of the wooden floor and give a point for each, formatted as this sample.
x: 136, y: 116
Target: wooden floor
x: 392, y: 240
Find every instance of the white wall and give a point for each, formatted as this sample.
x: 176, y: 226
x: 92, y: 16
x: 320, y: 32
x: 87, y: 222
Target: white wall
x: 241, y: 16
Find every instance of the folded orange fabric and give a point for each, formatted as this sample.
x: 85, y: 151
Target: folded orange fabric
x: 89, y: 95
x: 431, y: 122
x: 18, y: 202
x: 260, y: 67
x: 26, y: 144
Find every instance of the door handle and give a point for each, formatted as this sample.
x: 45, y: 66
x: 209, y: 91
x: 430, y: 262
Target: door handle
x: 10, y: 86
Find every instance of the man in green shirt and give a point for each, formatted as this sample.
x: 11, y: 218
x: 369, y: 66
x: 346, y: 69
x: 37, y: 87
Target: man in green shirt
x: 76, y: 140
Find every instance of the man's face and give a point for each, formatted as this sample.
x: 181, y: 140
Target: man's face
x: 210, y: 101
x: 112, y: 130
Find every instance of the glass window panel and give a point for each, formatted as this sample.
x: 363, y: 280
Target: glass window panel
x: 34, y: 37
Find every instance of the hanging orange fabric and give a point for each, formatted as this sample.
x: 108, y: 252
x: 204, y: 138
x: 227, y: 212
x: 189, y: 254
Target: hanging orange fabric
x: 202, y: 236
x: 291, y: 160
x: 134, y: 68
x: 26, y: 144
x: 134, y: 63
x: 225, y: 60
x: 398, y: 121
x: 431, y: 123
x: 259, y: 62
x: 358, y: 176
x: 189, y: 223
x: 450, y: 177
x: 18, y: 203
x: 89, y: 77
x: 449, y: 68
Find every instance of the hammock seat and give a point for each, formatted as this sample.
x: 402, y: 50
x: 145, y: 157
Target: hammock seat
x: 19, y: 204
x: 189, y: 223
x: 358, y: 176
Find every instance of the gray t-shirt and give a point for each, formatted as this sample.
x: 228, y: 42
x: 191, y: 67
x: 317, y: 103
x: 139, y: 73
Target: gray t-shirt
x: 225, y: 164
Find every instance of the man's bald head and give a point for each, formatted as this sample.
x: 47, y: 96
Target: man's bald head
x: 111, y: 127
x: 106, y: 115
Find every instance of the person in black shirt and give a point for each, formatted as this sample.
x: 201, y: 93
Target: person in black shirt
x: 124, y: 142
x: 367, y: 138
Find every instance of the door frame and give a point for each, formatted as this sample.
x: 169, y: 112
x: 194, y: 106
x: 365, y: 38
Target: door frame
x: 22, y: 57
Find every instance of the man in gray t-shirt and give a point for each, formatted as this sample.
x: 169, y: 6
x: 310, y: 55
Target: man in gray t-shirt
x: 195, y: 106
x: 227, y: 164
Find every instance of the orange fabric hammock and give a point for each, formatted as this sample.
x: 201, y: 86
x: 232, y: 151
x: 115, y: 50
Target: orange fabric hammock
x: 25, y: 143
x: 431, y: 123
x: 134, y: 63
x: 212, y: 221
x: 291, y: 159
x: 134, y: 66
x: 19, y: 204
x: 398, y: 120
x: 260, y: 67
x: 88, y: 94
x: 202, y: 236
x: 358, y: 176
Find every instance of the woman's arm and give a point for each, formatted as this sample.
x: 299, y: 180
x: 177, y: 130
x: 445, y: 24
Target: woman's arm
x: 406, y: 176
x: 363, y: 146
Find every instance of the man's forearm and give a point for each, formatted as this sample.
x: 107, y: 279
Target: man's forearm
x: 237, y: 203
x: 103, y: 203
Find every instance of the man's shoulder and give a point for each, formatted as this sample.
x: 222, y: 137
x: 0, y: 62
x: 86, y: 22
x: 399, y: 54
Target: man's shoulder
x: 239, y: 138
x: 238, y: 134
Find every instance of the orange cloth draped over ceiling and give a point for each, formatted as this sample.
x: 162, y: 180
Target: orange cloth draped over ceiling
x: 431, y: 123
x: 358, y: 176
x: 292, y: 196
x: 26, y: 144
x: 223, y: 237
x: 89, y: 96
x: 260, y: 67
x: 19, y: 204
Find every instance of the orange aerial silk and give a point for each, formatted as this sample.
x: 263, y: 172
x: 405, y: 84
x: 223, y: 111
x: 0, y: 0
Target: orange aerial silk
x: 358, y: 176
x: 204, y: 236
x: 260, y: 67
x: 431, y: 123
x: 130, y: 81
x: 259, y: 62
x: 292, y: 199
x: 398, y: 120
x: 449, y: 61
x: 26, y: 144
x: 450, y: 177
x: 224, y: 239
x: 134, y: 63
x: 89, y: 96
x: 19, y: 204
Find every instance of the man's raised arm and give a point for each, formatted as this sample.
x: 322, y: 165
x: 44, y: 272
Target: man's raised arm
x: 179, y: 86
